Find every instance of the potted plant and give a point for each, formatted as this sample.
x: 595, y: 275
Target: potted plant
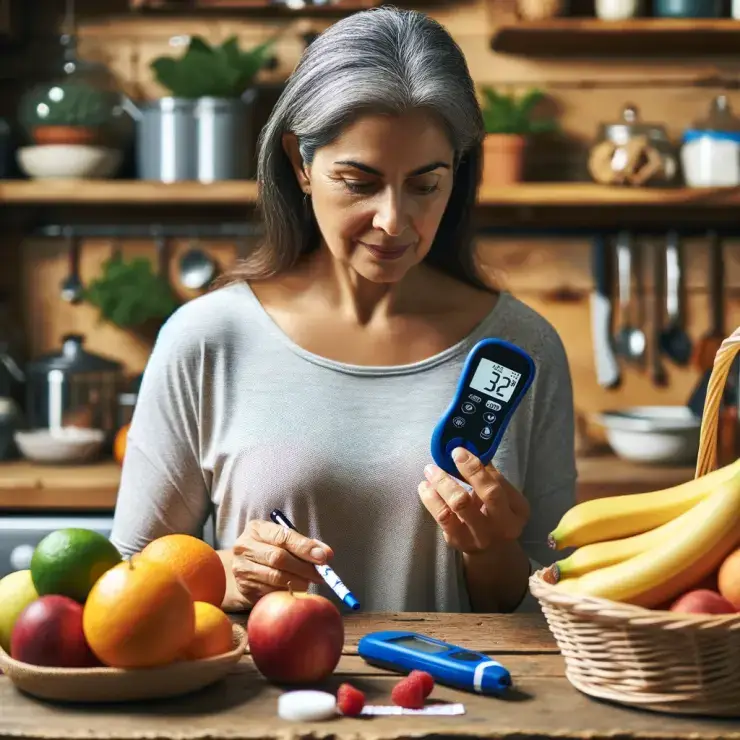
x: 509, y: 121
x: 67, y: 113
x: 206, y: 116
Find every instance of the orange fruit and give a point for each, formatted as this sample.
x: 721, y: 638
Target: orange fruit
x: 195, y: 561
x: 119, y: 444
x: 139, y: 614
x: 213, y: 633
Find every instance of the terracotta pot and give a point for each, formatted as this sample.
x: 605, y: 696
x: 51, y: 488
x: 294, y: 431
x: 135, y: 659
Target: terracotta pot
x: 503, y: 159
x: 65, y: 135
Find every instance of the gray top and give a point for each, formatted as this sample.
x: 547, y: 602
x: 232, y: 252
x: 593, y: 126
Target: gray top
x: 233, y: 418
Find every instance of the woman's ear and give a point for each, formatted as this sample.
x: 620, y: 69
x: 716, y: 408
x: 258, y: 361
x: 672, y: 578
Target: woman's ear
x: 290, y: 145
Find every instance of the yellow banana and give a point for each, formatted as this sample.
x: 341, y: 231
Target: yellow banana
x: 603, y: 554
x: 672, y: 566
x: 623, y: 516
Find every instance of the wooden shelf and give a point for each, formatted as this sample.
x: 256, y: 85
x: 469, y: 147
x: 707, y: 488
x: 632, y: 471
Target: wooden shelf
x: 123, y: 192
x: 238, y: 193
x: 639, y: 37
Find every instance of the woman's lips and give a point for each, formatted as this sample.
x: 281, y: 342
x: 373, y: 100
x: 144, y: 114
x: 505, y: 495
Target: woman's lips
x: 385, y: 253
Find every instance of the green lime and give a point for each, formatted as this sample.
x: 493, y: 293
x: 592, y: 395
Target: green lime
x: 68, y: 562
x: 16, y: 593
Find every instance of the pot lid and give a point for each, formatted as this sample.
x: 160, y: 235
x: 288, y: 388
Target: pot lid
x: 74, y: 358
x: 630, y: 125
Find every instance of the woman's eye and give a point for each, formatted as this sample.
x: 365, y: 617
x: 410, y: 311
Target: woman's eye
x: 426, y: 189
x: 359, y: 186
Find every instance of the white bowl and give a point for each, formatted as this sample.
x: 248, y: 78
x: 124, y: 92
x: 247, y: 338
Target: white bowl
x: 66, y: 445
x: 652, y: 434
x: 68, y: 161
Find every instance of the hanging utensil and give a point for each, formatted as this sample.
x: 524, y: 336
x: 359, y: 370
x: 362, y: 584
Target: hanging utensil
x: 605, y: 360
x: 657, y: 369
x: 674, y: 341
x: 197, y: 269
x: 706, y: 348
x: 630, y: 339
x: 72, y: 288
x: 163, y: 257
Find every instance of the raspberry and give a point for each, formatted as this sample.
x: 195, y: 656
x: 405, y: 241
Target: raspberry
x: 426, y: 680
x: 409, y: 692
x: 350, y: 700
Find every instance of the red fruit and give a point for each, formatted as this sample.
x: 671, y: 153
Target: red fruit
x: 48, y: 632
x: 409, y: 692
x: 702, y: 601
x: 426, y: 679
x: 295, y: 637
x: 350, y: 700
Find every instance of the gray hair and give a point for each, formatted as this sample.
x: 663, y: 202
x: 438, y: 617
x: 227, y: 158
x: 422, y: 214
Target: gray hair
x: 383, y: 60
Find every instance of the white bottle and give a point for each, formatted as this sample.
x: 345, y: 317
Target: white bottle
x: 617, y: 10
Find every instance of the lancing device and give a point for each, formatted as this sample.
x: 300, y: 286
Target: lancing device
x: 495, y: 378
x: 332, y: 579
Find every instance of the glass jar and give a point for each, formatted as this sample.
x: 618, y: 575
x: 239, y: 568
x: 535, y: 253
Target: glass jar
x: 710, y: 155
x: 80, y: 104
x: 630, y: 152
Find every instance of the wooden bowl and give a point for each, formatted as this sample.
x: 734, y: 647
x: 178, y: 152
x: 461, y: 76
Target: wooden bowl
x: 121, y: 685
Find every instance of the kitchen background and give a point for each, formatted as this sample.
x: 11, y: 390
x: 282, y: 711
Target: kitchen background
x: 609, y: 205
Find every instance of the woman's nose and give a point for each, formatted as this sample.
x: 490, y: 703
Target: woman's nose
x: 391, y: 215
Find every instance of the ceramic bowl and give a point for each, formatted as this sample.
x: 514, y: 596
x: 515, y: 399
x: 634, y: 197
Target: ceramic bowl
x: 68, y: 161
x: 66, y: 445
x: 652, y: 434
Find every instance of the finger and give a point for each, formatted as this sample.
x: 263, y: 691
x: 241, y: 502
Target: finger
x: 256, y: 573
x: 275, y: 557
x: 465, y: 506
x: 500, y: 499
x: 454, y: 529
x: 302, y: 547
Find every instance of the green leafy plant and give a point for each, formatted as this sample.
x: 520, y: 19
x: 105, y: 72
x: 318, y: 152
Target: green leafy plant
x: 129, y: 294
x: 67, y: 104
x: 508, y: 114
x: 223, y: 71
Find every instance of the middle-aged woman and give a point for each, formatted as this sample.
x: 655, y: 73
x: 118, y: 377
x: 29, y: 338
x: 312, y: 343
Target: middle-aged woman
x: 312, y: 379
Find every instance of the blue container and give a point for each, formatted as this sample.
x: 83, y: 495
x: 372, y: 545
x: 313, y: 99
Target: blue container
x: 687, y: 8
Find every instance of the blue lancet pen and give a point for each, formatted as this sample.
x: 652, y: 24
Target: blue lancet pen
x: 332, y: 579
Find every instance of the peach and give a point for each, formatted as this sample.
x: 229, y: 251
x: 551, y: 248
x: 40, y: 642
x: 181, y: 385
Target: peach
x: 728, y: 579
x: 702, y: 601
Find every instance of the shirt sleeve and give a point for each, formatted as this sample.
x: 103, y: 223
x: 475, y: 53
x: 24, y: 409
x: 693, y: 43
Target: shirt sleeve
x: 163, y: 487
x: 550, y: 480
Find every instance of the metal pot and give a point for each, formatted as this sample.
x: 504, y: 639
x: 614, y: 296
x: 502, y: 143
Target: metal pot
x: 207, y: 139
x: 73, y: 388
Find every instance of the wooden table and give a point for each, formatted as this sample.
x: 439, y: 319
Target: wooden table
x: 543, y: 704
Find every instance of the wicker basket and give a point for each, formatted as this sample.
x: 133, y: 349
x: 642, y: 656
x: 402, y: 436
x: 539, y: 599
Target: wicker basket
x: 657, y: 660
x: 123, y: 685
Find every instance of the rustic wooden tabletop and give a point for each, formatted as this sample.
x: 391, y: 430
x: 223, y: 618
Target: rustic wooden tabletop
x: 543, y: 704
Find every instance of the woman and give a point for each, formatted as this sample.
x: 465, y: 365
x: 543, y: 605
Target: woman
x: 312, y: 378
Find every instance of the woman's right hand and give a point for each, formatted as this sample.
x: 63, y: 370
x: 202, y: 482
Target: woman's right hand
x: 269, y: 557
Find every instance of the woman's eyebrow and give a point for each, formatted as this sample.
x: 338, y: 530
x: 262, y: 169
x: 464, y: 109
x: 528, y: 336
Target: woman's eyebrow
x: 372, y: 171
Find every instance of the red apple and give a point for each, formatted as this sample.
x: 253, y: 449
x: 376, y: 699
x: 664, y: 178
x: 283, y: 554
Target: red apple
x: 702, y: 601
x: 295, y: 638
x: 49, y: 632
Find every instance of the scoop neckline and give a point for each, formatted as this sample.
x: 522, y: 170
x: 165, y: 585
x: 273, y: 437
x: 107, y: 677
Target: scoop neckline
x: 374, y: 370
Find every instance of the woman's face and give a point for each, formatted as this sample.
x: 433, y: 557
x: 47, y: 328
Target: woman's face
x: 379, y: 192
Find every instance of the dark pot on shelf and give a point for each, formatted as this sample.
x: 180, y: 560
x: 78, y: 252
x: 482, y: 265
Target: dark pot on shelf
x: 687, y: 8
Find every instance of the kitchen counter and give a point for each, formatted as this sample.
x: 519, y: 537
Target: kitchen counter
x: 543, y: 704
x: 28, y: 487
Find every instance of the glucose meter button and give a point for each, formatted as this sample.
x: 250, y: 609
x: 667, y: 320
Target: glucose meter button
x: 489, y: 418
x: 459, y: 422
x: 468, y: 408
x: 487, y: 433
x: 493, y: 405
x: 306, y: 705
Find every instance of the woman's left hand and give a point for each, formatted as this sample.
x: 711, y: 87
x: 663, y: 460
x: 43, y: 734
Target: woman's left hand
x: 476, y: 521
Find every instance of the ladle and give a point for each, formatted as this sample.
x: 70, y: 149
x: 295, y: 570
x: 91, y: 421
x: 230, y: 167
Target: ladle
x: 72, y: 288
x: 197, y: 269
x: 630, y: 340
x: 674, y: 341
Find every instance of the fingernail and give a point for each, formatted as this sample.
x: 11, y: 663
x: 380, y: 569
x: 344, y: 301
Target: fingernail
x: 430, y: 470
x: 460, y: 455
x: 318, y: 554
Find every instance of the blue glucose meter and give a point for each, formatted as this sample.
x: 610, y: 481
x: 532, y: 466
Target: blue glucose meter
x: 495, y: 378
x: 448, y: 664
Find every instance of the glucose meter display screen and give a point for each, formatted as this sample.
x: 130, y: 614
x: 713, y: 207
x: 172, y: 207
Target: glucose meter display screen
x: 414, y: 643
x: 495, y: 380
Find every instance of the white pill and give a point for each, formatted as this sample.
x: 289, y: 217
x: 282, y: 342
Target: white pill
x: 306, y: 706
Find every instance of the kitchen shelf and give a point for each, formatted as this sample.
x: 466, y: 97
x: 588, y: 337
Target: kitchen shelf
x: 94, y: 487
x: 239, y: 193
x: 639, y: 37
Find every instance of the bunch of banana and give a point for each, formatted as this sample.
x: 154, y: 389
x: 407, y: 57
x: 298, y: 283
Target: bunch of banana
x: 648, y: 548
